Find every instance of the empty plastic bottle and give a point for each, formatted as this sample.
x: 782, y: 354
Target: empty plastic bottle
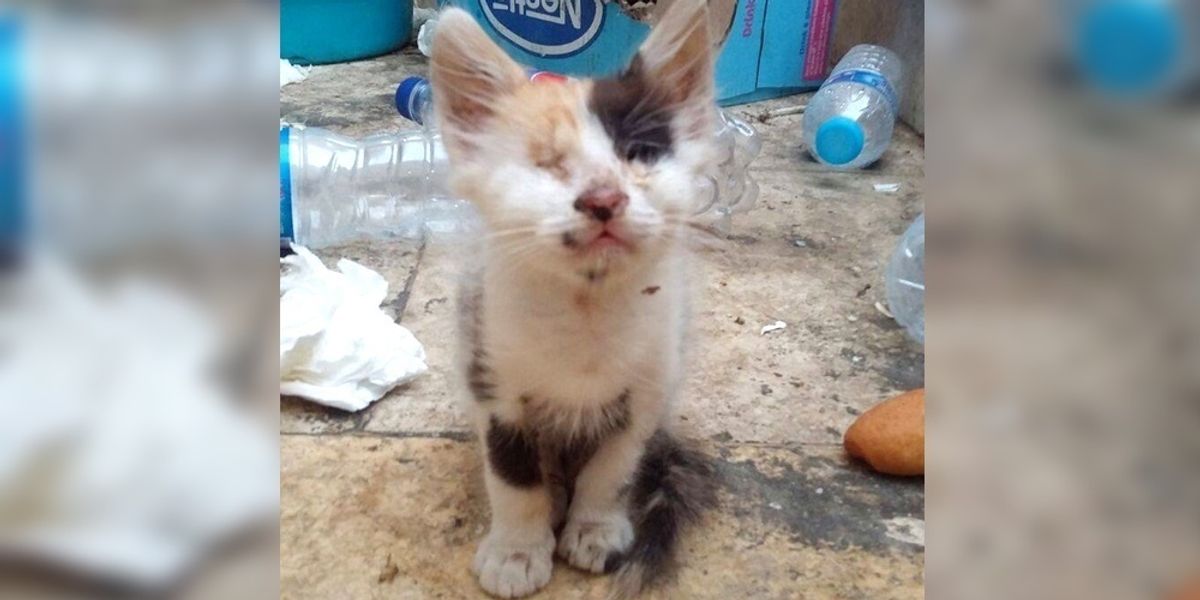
x: 334, y: 189
x: 739, y: 144
x: 904, y: 281
x: 848, y: 123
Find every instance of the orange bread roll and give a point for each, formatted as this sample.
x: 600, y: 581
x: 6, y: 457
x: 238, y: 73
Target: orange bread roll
x: 891, y: 436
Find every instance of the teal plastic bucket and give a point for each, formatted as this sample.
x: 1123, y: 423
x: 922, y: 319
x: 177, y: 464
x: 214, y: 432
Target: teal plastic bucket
x: 330, y: 31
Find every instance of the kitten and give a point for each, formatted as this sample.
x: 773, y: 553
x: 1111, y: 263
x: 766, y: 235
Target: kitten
x: 573, y: 327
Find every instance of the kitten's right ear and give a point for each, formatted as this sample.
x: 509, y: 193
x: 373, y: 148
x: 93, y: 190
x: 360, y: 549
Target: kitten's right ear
x: 469, y: 73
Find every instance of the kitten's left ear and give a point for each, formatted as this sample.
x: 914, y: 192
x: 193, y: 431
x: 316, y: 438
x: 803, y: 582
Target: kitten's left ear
x: 678, y: 58
x: 470, y: 74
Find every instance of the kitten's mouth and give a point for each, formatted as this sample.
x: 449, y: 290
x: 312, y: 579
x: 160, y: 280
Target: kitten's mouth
x: 607, y: 239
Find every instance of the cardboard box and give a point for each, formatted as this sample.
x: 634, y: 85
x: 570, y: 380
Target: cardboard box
x: 770, y: 47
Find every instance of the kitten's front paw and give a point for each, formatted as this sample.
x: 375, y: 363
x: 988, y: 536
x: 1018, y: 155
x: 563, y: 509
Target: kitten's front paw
x: 511, y: 568
x: 588, y: 543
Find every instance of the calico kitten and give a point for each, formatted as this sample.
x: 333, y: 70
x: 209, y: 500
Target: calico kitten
x: 573, y: 326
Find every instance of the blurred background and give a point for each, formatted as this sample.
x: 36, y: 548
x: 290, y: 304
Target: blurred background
x: 1064, y: 455
x: 137, y: 312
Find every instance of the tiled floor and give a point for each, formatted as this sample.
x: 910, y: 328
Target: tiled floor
x: 389, y: 502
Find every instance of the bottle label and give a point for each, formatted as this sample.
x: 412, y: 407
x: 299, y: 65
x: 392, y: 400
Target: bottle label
x: 872, y: 79
x: 286, y: 230
x: 546, y: 27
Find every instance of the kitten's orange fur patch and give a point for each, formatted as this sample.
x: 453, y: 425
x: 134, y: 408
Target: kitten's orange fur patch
x: 549, y: 116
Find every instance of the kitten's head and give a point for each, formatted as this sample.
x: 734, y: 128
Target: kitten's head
x: 580, y: 177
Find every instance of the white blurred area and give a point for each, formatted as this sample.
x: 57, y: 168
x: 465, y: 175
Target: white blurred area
x: 138, y: 321
x: 146, y: 132
x: 120, y: 454
x: 1063, y: 335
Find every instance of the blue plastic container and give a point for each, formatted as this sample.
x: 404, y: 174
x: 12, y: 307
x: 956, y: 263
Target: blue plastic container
x: 329, y: 31
x: 12, y: 135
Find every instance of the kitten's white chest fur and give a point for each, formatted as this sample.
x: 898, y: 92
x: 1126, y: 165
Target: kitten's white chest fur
x: 579, y: 344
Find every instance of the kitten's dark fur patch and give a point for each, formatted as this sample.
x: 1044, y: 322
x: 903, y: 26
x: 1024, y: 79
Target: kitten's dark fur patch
x: 513, y: 454
x: 634, y: 113
x: 618, y: 413
x: 603, y: 421
x: 479, y: 375
x: 479, y: 378
x: 673, y: 486
x: 564, y: 456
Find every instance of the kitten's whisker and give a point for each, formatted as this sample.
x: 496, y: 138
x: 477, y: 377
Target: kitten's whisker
x: 501, y: 236
x: 515, y: 251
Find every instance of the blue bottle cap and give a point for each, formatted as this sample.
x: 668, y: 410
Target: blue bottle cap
x: 839, y: 140
x: 406, y: 95
x: 1127, y: 46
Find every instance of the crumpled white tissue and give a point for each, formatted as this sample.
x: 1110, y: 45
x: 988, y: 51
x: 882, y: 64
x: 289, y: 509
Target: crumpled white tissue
x: 120, y: 454
x: 336, y: 346
x: 289, y: 73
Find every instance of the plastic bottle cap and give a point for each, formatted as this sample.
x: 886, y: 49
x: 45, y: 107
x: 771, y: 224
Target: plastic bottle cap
x: 1128, y: 45
x: 839, y: 140
x: 406, y: 92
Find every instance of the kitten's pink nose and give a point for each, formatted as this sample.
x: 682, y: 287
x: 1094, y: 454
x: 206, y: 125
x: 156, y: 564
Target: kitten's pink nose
x: 602, y: 204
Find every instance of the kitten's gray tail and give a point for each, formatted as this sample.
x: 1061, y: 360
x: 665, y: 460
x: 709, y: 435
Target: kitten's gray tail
x: 673, y: 487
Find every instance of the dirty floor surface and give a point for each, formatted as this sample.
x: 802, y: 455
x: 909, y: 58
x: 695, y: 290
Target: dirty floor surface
x: 389, y: 502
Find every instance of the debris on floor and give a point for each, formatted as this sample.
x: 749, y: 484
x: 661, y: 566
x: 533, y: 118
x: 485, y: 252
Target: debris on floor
x: 883, y: 310
x: 289, y: 73
x: 776, y: 326
x: 336, y: 346
x: 389, y: 572
x: 906, y: 529
x: 767, y: 115
x: 887, y: 188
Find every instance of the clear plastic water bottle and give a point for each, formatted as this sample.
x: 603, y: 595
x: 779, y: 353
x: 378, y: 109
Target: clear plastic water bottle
x: 740, y: 144
x: 904, y: 281
x: 848, y: 123
x: 732, y: 189
x: 334, y: 189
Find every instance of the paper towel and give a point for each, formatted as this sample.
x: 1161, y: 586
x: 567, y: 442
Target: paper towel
x: 132, y: 462
x: 336, y: 346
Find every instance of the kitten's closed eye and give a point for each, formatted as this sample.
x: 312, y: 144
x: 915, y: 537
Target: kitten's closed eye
x: 645, y: 151
x: 554, y: 163
x: 553, y: 133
